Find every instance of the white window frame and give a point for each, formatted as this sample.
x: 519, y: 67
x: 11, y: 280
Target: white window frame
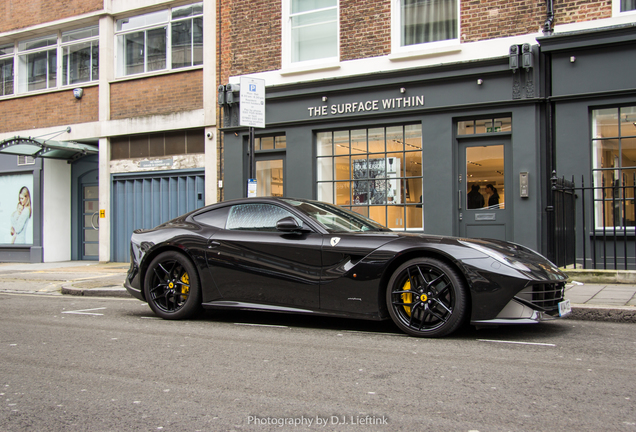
x: 396, y: 32
x: 11, y: 55
x: 287, y: 42
x: 64, y: 45
x: 21, y: 71
x: 120, y: 54
x: 616, y: 9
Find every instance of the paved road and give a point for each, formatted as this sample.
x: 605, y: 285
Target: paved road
x: 106, y: 364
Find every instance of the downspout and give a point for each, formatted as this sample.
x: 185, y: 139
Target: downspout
x: 547, y: 26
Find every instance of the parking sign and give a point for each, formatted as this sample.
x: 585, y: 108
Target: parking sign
x: 252, y: 102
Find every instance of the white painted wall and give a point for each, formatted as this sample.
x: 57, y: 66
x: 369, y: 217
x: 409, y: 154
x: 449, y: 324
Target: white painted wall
x: 56, y: 210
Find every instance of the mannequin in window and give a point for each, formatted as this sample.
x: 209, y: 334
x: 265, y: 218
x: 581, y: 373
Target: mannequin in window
x: 475, y: 198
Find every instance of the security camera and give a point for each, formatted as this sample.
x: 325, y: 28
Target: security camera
x: 209, y: 135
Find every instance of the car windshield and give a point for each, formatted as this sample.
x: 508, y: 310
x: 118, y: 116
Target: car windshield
x: 335, y: 219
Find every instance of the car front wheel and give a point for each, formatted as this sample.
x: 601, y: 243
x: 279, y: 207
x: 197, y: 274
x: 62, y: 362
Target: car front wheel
x: 427, y: 298
x: 172, y: 286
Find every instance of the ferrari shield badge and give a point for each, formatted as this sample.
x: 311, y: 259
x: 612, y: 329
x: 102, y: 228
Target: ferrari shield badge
x: 334, y: 240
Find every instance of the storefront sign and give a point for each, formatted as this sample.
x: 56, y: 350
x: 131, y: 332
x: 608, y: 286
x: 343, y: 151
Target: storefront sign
x: 381, y: 105
x: 156, y: 163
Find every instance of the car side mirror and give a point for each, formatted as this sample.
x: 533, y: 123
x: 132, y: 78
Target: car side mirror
x: 289, y: 224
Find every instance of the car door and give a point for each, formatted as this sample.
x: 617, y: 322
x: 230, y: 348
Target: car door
x: 252, y: 262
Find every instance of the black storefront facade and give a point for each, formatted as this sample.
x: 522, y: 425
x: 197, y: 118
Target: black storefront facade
x: 406, y: 148
x: 593, y: 100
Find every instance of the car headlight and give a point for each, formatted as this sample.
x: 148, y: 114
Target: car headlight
x: 506, y: 260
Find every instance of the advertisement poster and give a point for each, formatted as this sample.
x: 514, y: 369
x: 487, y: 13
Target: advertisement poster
x: 16, y: 209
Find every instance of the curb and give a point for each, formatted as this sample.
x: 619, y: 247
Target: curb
x: 113, y: 291
x: 618, y: 314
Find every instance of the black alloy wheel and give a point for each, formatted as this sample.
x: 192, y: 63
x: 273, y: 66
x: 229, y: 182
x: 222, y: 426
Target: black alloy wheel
x: 427, y: 298
x: 172, y: 286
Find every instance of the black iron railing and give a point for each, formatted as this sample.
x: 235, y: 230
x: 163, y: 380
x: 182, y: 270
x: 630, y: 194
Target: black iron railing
x: 592, y: 227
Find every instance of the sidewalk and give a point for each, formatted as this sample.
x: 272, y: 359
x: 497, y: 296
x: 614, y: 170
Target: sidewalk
x: 598, y: 301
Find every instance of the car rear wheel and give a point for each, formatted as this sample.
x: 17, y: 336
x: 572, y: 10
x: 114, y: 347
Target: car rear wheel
x: 427, y: 298
x: 172, y: 286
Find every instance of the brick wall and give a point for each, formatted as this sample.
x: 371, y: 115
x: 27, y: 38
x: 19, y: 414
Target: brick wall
x: 48, y: 110
x: 482, y: 20
x: 17, y: 14
x: 250, y: 44
x: 255, y: 36
x: 365, y: 28
x: 163, y: 94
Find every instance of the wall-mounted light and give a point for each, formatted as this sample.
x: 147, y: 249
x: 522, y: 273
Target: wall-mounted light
x: 78, y: 93
x: 324, y: 98
x: 480, y: 81
x: 572, y: 59
x: 402, y: 90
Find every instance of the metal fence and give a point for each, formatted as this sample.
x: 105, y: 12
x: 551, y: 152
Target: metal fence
x: 592, y: 227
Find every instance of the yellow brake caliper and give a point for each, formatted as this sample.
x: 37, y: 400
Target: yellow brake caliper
x: 185, y: 288
x: 407, y: 297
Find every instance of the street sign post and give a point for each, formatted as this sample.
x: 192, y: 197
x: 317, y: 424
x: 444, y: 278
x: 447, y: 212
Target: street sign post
x: 252, y: 114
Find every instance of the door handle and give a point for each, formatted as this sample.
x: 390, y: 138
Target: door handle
x: 96, y: 228
x: 213, y: 244
x: 459, y: 199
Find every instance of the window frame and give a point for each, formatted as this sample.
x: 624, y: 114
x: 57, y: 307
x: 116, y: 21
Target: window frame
x: 616, y: 9
x: 153, y: 25
x: 4, y: 57
x: 601, y: 202
x: 393, y: 191
x: 93, y: 39
x: 396, y: 32
x: 288, y: 42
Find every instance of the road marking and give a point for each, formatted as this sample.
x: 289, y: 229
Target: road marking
x: 515, y: 342
x: 85, y: 311
x: 260, y: 325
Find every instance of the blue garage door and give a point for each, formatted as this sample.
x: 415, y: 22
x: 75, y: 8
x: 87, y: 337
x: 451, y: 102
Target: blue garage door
x: 149, y: 200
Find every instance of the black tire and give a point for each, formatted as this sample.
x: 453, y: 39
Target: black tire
x: 427, y: 298
x: 172, y: 286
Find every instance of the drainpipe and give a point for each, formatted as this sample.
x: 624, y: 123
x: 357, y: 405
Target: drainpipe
x: 547, y: 26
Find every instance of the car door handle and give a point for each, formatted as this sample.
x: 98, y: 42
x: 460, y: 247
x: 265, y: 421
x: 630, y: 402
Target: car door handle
x: 213, y: 244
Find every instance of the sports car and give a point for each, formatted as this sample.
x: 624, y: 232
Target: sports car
x: 309, y: 257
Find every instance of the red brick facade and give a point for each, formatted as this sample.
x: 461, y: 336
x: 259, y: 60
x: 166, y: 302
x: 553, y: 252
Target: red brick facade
x: 162, y: 94
x: 19, y: 14
x: 248, y: 43
x: 48, y: 110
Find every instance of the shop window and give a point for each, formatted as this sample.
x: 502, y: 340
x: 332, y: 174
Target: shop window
x: 166, y: 39
x: 614, y: 166
x: 6, y: 70
x: 310, y: 30
x: 157, y: 145
x: 376, y: 172
x: 417, y: 22
x: 80, y: 59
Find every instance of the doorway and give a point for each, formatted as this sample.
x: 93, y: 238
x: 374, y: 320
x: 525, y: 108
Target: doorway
x: 90, y: 222
x: 270, y: 176
x: 483, y: 199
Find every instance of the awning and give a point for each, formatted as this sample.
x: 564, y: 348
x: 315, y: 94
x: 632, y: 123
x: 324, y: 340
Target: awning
x: 37, y: 147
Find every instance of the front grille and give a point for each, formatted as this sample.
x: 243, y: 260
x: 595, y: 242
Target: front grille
x: 544, y: 296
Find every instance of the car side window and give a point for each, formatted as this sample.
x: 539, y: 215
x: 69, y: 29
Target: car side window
x: 215, y: 218
x: 256, y: 217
